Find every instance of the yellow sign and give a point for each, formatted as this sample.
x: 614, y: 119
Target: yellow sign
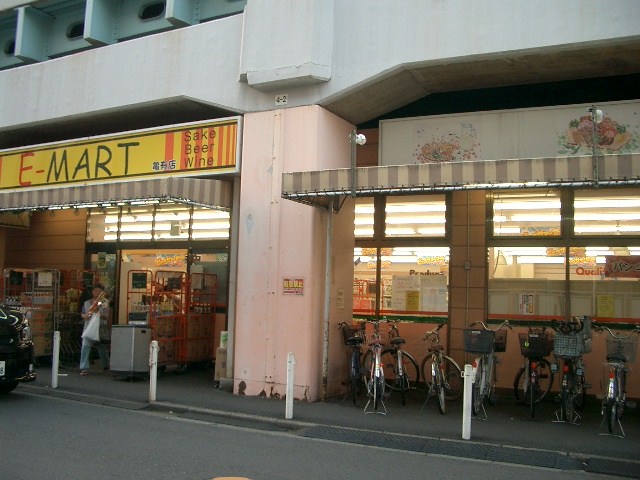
x: 188, y: 149
x: 293, y: 286
x: 605, y: 306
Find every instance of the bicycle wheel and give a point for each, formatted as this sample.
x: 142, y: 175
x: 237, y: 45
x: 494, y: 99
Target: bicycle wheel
x: 409, y: 370
x: 611, y: 413
x: 378, y: 389
x: 439, y: 389
x: 478, y: 387
x: 452, y: 376
x: 581, y: 394
x: 545, y: 382
x: 354, y: 374
x: 491, y: 391
x: 533, y: 392
x: 566, y: 400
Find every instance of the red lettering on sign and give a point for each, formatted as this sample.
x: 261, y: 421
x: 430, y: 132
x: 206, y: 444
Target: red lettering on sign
x: 24, y: 168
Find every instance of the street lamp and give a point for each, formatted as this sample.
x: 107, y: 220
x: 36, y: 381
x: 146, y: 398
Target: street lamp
x: 355, y: 139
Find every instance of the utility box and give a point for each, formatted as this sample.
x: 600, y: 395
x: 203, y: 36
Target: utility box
x: 130, y: 349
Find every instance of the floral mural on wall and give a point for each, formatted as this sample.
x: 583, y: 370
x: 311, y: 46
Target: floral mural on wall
x: 449, y: 147
x: 612, y: 137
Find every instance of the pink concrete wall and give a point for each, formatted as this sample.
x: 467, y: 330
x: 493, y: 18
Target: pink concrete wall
x: 279, y: 238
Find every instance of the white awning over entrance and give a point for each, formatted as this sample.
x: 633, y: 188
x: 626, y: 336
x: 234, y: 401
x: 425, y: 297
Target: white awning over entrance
x: 191, y: 191
x: 317, y: 188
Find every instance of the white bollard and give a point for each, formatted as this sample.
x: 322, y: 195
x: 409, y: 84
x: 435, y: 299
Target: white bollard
x: 56, y: 359
x: 291, y: 362
x: 153, y: 370
x: 466, y: 405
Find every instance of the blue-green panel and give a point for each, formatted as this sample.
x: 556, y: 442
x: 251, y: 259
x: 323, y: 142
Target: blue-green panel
x: 212, y: 9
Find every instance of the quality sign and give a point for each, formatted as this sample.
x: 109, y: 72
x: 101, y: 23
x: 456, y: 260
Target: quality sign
x: 189, y: 149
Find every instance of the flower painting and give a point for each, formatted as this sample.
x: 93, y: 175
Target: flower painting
x: 612, y: 137
x: 449, y: 147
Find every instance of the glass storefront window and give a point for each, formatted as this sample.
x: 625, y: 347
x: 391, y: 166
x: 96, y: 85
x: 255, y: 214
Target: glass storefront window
x: 364, y: 213
x: 420, y: 216
x: 414, y: 280
x: 527, y: 281
x: 526, y: 213
x: 604, y: 282
x: 166, y: 222
x: 613, y: 212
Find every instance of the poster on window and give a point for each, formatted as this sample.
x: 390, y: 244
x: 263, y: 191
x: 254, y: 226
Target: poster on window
x: 618, y: 266
x: 400, y: 286
x: 526, y: 304
x: 433, y: 293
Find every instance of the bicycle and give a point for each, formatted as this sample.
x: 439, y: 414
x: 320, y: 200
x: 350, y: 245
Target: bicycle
x: 569, y: 345
x: 485, y: 343
x: 375, y: 370
x: 535, y: 378
x: 353, y: 340
x: 400, y: 368
x: 621, y: 350
x: 440, y: 372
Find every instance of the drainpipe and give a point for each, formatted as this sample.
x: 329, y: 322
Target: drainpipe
x: 327, y: 302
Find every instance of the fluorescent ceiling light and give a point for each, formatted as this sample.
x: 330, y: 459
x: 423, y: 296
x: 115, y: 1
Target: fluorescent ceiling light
x: 507, y: 230
x: 414, y: 220
x: 536, y: 218
x: 415, y: 208
x: 529, y: 259
x: 529, y: 205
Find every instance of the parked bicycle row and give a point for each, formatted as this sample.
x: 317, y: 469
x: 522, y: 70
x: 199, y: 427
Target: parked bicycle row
x: 379, y: 365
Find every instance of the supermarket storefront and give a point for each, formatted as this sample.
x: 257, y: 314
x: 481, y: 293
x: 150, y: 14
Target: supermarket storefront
x: 157, y: 203
x: 525, y: 239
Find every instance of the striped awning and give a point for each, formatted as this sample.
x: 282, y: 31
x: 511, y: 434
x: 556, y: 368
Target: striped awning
x: 192, y: 191
x: 317, y: 188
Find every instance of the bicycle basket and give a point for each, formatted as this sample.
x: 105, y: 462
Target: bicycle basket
x: 478, y: 341
x: 535, y: 344
x: 500, y: 341
x: 349, y: 332
x: 369, y: 332
x: 568, y: 344
x: 627, y: 347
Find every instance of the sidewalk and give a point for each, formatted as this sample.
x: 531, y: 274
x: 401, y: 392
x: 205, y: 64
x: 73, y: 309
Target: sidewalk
x: 507, y: 424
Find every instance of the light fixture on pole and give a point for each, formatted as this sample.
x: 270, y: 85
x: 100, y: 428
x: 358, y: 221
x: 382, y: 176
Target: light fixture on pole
x: 596, y: 118
x: 355, y: 139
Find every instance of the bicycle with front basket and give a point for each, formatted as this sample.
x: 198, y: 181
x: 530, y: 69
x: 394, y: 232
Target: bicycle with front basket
x: 621, y: 350
x: 485, y: 343
x: 535, y: 378
x: 441, y: 373
x: 571, y: 341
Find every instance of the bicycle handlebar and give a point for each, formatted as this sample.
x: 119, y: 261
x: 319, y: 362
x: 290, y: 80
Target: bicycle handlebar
x: 600, y: 328
x: 506, y: 322
x: 573, y: 325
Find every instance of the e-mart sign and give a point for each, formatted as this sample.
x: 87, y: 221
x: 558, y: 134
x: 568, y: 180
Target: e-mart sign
x: 189, y: 149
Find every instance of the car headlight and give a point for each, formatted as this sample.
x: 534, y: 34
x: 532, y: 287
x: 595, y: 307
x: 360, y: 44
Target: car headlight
x: 25, y: 333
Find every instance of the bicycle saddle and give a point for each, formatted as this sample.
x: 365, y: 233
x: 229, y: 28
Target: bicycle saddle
x: 398, y: 341
x: 436, y: 348
x: 354, y: 341
x: 616, y: 358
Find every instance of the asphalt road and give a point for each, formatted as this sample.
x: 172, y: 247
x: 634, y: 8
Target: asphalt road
x: 44, y: 437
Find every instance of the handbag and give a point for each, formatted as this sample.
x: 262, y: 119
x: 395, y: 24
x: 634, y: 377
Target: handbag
x: 104, y: 332
x: 92, y: 330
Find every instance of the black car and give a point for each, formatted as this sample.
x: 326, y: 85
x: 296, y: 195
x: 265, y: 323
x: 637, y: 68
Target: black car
x: 16, y: 350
